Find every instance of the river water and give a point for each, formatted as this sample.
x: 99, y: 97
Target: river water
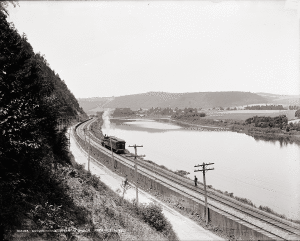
x: 267, y: 173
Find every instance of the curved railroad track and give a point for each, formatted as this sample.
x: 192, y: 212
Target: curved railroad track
x: 272, y: 226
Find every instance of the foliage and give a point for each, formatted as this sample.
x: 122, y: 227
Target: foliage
x: 33, y: 99
x: 245, y: 200
x: 188, y: 114
x: 118, y: 112
x: 182, y: 173
x: 159, y: 111
x: 153, y: 215
x: 125, y: 186
x: 264, y: 107
x: 4, y: 5
x: 269, y: 210
x: 114, y: 212
x: 267, y: 121
x: 51, y: 217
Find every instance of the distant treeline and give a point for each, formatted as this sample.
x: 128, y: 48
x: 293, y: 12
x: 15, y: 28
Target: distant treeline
x: 159, y: 111
x: 187, y: 114
x: 119, y: 112
x: 264, y: 107
x: 267, y: 121
x: 171, y: 112
x: 279, y: 122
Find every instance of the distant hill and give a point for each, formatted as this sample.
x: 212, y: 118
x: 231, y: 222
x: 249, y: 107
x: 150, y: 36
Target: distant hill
x: 281, y: 99
x: 94, y: 104
x: 180, y: 100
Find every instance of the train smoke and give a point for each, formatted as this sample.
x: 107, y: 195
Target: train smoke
x: 106, y: 119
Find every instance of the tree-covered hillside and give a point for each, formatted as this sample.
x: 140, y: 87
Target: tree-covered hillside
x: 43, y: 191
x: 69, y: 105
x: 32, y: 101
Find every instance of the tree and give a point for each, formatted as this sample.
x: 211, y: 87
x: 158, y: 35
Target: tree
x: 4, y: 5
x: 30, y: 142
x: 182, y: 173
x: 125, y: 186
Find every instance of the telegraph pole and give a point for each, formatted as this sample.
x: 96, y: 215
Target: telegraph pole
x: 204, y: 169
x: 69, y: 138
x: 135, y: 168
x: 84, y: 130
x: 112, y: 153
x: 89, y: 152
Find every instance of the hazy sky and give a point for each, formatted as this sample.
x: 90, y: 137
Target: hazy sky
x: 119, y: 48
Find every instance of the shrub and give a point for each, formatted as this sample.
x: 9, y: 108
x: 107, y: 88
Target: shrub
x: 152, y: 214
x: 182, y: 173
x: 51, y: 216
x: 269, y: 210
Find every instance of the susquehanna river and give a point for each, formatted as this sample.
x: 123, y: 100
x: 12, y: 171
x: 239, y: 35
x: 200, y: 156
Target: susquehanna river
x: 265, y: 172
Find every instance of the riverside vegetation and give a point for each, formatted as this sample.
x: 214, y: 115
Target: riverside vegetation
x: 41, y: 187
x: 260, y: 127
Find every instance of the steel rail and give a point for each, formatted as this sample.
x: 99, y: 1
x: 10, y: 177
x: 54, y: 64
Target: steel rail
x: 292, y: 229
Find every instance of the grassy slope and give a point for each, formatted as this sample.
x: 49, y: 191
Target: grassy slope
x: 97, y: 207
x: 243, y: 116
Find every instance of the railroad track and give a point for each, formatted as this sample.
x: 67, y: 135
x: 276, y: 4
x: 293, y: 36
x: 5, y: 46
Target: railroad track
x: 277, y: 228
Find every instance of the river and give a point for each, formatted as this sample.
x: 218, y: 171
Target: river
x: 267, y: 173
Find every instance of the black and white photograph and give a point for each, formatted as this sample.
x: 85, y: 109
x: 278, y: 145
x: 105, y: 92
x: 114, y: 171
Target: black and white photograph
x: 171, y: 120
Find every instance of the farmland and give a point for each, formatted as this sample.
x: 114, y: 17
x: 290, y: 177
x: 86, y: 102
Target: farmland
x: 245, y: 114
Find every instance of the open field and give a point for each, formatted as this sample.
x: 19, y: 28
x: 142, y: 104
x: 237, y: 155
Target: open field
x: 245, y: 114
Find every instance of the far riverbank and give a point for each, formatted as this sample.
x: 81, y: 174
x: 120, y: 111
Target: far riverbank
x: 258, y: 133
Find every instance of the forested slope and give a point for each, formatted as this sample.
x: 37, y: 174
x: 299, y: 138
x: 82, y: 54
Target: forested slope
x: 69, y: 105
x: 32, y: 100
x: 42, y: 189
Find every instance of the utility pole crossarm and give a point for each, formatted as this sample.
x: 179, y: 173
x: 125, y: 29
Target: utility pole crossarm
x: 204, y: 170
x: 204, y: 164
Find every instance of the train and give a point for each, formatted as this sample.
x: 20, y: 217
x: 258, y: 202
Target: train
x: 114, y: 143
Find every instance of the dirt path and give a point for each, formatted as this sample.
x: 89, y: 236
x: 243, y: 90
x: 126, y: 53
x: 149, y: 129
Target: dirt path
x: 185, y: 228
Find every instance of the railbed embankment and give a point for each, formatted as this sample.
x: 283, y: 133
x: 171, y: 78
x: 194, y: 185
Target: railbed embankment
x: 242, y: 225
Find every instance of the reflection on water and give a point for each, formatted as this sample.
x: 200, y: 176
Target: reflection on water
x: 283, y: 141
x: 266, y: 172
x: 153, y: 125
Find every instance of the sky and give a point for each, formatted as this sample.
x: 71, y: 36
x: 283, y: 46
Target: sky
x: 103, y: 49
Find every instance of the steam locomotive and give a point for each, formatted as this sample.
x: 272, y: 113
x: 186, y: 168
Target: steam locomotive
x: 114, y: 143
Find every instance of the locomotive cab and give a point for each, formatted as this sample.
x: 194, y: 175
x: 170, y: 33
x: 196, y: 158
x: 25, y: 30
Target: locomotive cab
x: 114, y: 143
